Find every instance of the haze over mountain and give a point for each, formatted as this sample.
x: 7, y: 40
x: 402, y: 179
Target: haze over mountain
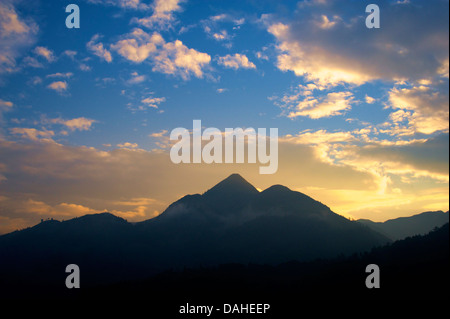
x: 403, y: 227
x: 231, y: 222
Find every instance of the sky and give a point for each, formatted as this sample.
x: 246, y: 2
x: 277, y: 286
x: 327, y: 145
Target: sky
x: 86, y: 113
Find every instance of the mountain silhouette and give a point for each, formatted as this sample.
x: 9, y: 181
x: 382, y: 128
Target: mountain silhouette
x: 230, y: 223
x: 403, y: 227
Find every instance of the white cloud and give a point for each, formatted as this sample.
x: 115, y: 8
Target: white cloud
x: 98, y: 49
x: 370, y: 100
x: 153, y: 102
x: 162, y: 16
x: 332, y: 104
x: 138, y: 45
x: 178, y: 59
x: 236, y: 61
x: 166, y: 57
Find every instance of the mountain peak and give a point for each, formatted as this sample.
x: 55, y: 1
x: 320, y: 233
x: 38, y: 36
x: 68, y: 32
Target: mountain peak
x: 234, y: 184
x: 230, y: 195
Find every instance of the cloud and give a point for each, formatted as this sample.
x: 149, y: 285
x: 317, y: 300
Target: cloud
x: 138, y: 45
x: 70, y: 53
x: 221, y: 36
x: 5, y: 105
x: 32, y: 62
x: 33, y: 134
x: 45, y: 53
x: 333, y: 104
x: 341, y: 50
x: 162, y: 16
x: 313, y: 101
x: 325, y: 23
x: 136, y: 78
x: 236, y: 61
x: 84, y: 67
x: 58, y: 86
x: 178, y: 59
x: 98, y: 49
x: 126, y: 4
x: 76, y: 124
x: 153, y: 101
x: 407, y: 175
x: 16, y: 35
x: 159, y: 134
x: 369, y: 99
x: 128, y: 145
x: 364, y: 151
x: 216, y: 28
x: 429, y: 106
x: 172, y: 58
x: 66, y: 75
x: 319, y: 137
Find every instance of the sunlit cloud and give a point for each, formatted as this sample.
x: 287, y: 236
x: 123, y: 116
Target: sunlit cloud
x: 16, y: 35
x: 331, y: 105
x: 429, y: 106
x: 32, y: 133
x: 58, y: 86
x: 126, y: 4
x: 163, y: 14
x: 77, y: 124
x: 166, y: 57
x: 98, y: 48
x: 326, y: 53
x: 45, y: 53
x: 153, y: 101
x: 236, y: 61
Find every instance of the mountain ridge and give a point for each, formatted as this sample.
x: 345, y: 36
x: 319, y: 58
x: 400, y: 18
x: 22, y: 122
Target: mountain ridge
x: 402, y: 227
x: 231, y: 222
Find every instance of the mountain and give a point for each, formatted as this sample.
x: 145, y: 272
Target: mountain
x: 403, y: 227
x: 234, y: 222
x: 230, y: 223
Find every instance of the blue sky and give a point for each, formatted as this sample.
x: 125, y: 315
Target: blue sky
x: 362, y: 113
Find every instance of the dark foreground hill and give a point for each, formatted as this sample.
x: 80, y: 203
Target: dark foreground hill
x: 231, y: 223
x: 411, y: 269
